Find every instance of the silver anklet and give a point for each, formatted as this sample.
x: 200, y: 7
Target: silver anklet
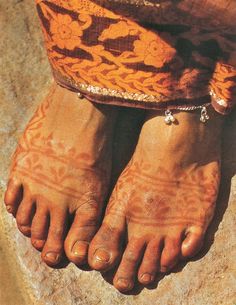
x: 169, y: 118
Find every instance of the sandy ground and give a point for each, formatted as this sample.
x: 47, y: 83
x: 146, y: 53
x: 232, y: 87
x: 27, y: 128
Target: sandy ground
x: 11, y: 290
x: 25, y: 77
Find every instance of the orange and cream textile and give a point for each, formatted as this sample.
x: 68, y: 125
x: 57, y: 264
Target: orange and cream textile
x: 136, y: 53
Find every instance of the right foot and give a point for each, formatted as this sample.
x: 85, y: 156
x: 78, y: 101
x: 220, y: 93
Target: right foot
x: 61, y: 168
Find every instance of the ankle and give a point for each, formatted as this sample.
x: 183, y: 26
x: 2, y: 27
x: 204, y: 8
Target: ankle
x: 188, y: 139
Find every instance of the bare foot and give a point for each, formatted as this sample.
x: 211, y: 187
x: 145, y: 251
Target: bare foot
x: 61, y: 170
x: 163, y: 201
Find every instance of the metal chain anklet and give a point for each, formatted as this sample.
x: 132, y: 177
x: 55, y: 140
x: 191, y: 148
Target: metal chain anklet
x: 169, y: 118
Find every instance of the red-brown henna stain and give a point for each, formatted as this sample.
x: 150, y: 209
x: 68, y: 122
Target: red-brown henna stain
x: 62, y: 165
x: 43, y: 160
x: 163, y: 198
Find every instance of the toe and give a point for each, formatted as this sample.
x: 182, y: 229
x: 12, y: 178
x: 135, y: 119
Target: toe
x: 170, y: 254
x: 126, y: 273
x: 81, y: 233
x: 13, y: 196
x: 24, y: 216
x: 151, y: 262
x: 39, y: 228
x: 105, y: 248
x: 192, y: 244
x: 53, y: 249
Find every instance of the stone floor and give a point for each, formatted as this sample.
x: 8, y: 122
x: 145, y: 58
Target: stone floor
x: 24, y: 79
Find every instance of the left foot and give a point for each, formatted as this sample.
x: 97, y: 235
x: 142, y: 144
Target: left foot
x: 164, y: 199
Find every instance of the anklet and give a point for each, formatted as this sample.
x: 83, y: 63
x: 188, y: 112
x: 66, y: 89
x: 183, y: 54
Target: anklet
x: 169, y: 118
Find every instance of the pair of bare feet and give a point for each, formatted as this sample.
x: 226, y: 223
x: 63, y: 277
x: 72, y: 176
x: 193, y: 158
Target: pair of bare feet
x: 159, y: 209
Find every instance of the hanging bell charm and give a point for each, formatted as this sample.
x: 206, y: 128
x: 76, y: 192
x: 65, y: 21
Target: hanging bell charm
x: 169, y: 118
x: 204, y: 115
x: 80, y: 96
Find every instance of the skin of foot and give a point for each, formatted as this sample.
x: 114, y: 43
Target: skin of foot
x: 60, y: 175
x: 163, y: 201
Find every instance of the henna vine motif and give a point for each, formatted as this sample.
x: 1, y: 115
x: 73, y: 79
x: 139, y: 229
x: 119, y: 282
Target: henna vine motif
x: 165, y: 198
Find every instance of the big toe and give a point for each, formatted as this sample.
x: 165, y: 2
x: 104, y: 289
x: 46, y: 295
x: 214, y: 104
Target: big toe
x: 192, y: 244
x: 105, y: 248
x: 77, y: 241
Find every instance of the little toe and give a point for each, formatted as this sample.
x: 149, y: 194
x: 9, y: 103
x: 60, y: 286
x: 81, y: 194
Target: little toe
x: 126, y: 273
x: 39, y: 228
x: 105, y: 248
x: 80, y: 234
x: 53, y: 249
x: 13, y: 196
x: 170, y: 254
x: 192, y: 244
x: 150, y: 263
x: 24, y: 216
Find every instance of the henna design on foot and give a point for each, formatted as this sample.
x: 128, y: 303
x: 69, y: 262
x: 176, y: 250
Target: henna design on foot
x: 61, y: 169
x: 163, y: 201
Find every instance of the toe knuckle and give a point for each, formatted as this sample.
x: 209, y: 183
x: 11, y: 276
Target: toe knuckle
x: 57, y: 232
x: 107, y: 232
x: 87, y: 221
x: 90, y: 205
x: 92, y: 221
x: 109, y: 228
x: 36, y: 233
x: 130, y: 256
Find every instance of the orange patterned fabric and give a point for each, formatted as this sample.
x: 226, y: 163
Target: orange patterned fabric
x: 155, y: 56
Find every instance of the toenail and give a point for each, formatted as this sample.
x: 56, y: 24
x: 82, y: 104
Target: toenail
x: 80, y: 248
x: 9, y: 208
x: 52, y: 257
x: 147, y: 278
x: 25, y: 229
x: 124, y: 284
x: 38, y: 243
x: 164, y: 269
x: 102, y: 255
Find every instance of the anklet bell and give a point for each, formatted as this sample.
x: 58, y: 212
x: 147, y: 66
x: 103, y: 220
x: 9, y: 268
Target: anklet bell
x: 204, y: 115
x: 169, y: 118
x: 80, y: 96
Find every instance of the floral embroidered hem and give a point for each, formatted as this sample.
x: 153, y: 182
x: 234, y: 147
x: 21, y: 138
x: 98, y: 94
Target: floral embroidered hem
x: 162, y: 56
